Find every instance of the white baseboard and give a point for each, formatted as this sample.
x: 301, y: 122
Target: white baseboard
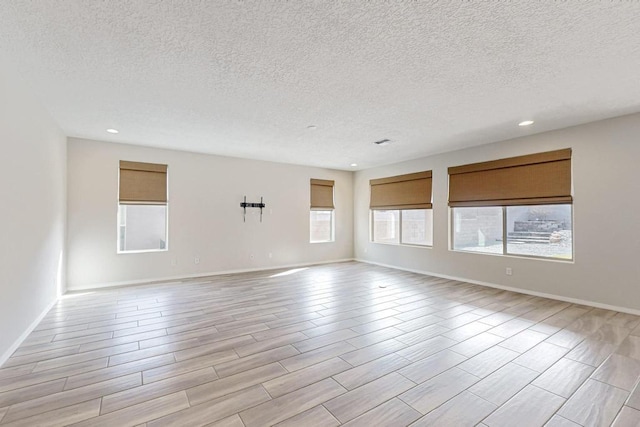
x: 7, y: 354
x: 197, y: 275
x: 510, y: 288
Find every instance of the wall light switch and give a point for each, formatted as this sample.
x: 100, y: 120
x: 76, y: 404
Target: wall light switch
x: 196, y: 260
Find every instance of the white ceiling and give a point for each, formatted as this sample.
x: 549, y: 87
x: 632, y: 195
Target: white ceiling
x: 246, y: 78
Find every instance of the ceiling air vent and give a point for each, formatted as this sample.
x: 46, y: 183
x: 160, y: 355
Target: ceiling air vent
x: 383, y: 142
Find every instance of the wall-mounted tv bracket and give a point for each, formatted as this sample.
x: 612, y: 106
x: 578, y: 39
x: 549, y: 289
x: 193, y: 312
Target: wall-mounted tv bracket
x: 244, y: 205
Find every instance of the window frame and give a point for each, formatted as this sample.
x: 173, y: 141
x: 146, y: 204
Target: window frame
x: 505, y: 252
x: 119, y: 219
x: 142, y: 251
x: 400, y: 243
x: 332, y: 238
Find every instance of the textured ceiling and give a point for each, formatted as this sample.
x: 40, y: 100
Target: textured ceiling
x: 245, y: 78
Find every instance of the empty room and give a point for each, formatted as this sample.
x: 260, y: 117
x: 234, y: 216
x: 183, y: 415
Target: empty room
x: 240, y: 213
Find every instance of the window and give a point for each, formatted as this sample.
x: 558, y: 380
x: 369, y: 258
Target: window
x: 142, y: 207
x: 407, y: 227
x: 518, y: 206
x: 321, y: 217
x: 401, y: 209
x: 386, y: 226
x: 321, y: 226
x: 416, y: 227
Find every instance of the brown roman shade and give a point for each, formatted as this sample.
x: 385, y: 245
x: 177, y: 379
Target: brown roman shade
x: 321, y: 194
x: 143, y: 183
x: 536, y: 179
x: 411, y: 191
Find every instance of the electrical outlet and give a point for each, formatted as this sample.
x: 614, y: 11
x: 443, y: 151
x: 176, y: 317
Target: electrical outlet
x: 251, y: 256
x: 508, y: 271
x: 270, y: 255
x: 196, y: 260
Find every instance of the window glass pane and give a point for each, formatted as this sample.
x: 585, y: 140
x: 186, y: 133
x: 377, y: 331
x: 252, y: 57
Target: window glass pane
x: 321, y: 223
x: 142, y: 227
x: 417, y: 227
x: 478, y: 229
x: 543, y: 231
x: 386, y: 226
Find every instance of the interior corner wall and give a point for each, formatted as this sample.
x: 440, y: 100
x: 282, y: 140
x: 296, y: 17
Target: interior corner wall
x: 205, y: 217
x: 33, y: 188
x: 606, y: 221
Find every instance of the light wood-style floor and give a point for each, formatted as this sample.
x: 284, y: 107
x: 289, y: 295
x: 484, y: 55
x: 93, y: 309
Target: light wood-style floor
x: 346, y: 343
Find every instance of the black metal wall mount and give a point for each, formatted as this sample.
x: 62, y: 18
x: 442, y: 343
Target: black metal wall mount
x: 244, y: 205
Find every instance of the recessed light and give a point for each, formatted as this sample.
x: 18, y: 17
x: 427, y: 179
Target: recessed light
x: 312, y: 127
x: 526, y: 123
x: 353, y: 165
x: 112, y: 130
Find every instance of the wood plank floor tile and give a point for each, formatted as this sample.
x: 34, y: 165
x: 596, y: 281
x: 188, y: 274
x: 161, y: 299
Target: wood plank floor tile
x: 619, y: 371
x: 633, y: 400
x: 594, y: 404
x: 360, y: 375
x: 466, y: 409
x: 60, y: 417
x: 38, y: 356
x: 16, y: 371
x: 558, y: 421
x: 143, y: 393
x: 393, y: 412
x: 477, y: 344
x: 291, y: 404
x: 214, y: 410
x: 532, y: 407
x: 564, y: 378
x: 321, y: 354
x: 67, y: 398
x: 362, y: 399
x: 140, y: 413
x: 429, y: 367
x: 178, y: 368
x: 232, y: 421
x: 426, y: 348
x: 523, y: 341
x: 316, y: 417
x: 322, y: 340
x: 372, y: 338
x: 504, y: 383
x: 467, y: 331
x: 306, y: 376
x: 489, y: 361
x: 541, y: 357
x: 628, y: 417
x: 434, y: 392
x: 82, y: 357
x: 82, y: 379
x: 223, y: 386
x: 18, y: 395
x: 216, y: 347
x: 259, y: 359
x: 51, y: 374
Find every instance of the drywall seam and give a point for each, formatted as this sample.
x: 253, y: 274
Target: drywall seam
x: 197, y: 275
x: 510, y: 288
x: 7, y: 354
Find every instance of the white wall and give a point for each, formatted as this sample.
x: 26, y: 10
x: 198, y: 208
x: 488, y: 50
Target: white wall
x: 205, y: 218
x: 606, y: 267
x: 32, y: 190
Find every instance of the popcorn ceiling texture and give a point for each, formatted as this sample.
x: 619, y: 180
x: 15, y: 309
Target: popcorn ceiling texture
x: 246, y: 78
